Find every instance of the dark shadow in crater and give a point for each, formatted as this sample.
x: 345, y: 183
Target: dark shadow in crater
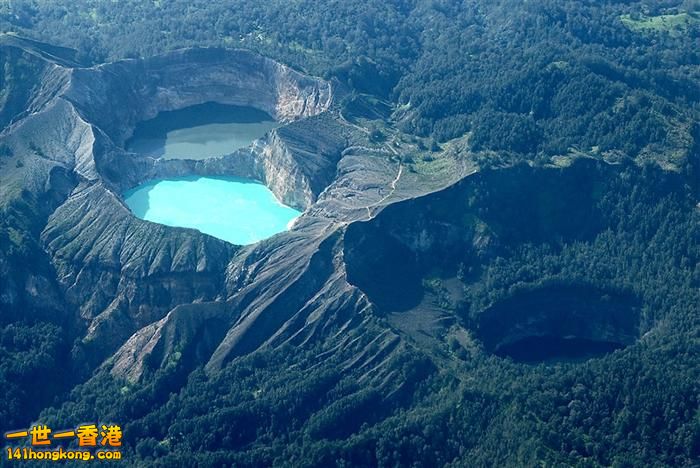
x: 138, y: 199
x: 560, y: 323
x: 534, y: 349
x: 382, y: 267
x: 199, y: 114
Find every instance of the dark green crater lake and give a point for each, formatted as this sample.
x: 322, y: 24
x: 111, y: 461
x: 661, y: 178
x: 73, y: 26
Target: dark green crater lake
x: 199, y: 132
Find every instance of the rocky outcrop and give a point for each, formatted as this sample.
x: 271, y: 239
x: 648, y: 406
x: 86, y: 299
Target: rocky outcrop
x: 187, y: 332
x: 263, y: 315
x: 31, y: 77
x: 296, y: 161
x: 299, y: 160
x: 124, y: 273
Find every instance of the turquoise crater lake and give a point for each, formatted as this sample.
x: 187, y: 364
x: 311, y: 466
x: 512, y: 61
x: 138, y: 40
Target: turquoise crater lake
x: 239, y: 211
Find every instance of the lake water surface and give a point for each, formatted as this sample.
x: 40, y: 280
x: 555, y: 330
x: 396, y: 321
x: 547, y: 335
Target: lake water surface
x: 236, y: 210
x: 199, y: 132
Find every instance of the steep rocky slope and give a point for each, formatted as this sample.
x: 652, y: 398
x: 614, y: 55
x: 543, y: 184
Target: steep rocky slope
x: 117, y: 272
x: 115, y: 275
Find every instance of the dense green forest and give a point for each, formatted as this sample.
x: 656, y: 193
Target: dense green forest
x: 528, y: 81
x: 544, y: 77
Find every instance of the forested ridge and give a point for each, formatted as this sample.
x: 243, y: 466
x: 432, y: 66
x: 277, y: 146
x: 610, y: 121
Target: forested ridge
x: 523, y: 84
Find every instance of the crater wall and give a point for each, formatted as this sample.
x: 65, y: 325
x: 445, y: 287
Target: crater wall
x: 119, y: 273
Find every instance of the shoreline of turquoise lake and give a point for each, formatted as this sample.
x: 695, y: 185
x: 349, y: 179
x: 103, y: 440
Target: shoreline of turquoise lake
x: 239, y: 211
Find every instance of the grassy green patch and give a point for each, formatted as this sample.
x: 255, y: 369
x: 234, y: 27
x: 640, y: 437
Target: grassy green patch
x: 674, y: 24
x: 433, y: 165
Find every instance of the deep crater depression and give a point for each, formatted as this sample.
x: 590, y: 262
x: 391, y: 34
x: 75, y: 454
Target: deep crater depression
x: 238, y: 210
x: 560, y: 323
